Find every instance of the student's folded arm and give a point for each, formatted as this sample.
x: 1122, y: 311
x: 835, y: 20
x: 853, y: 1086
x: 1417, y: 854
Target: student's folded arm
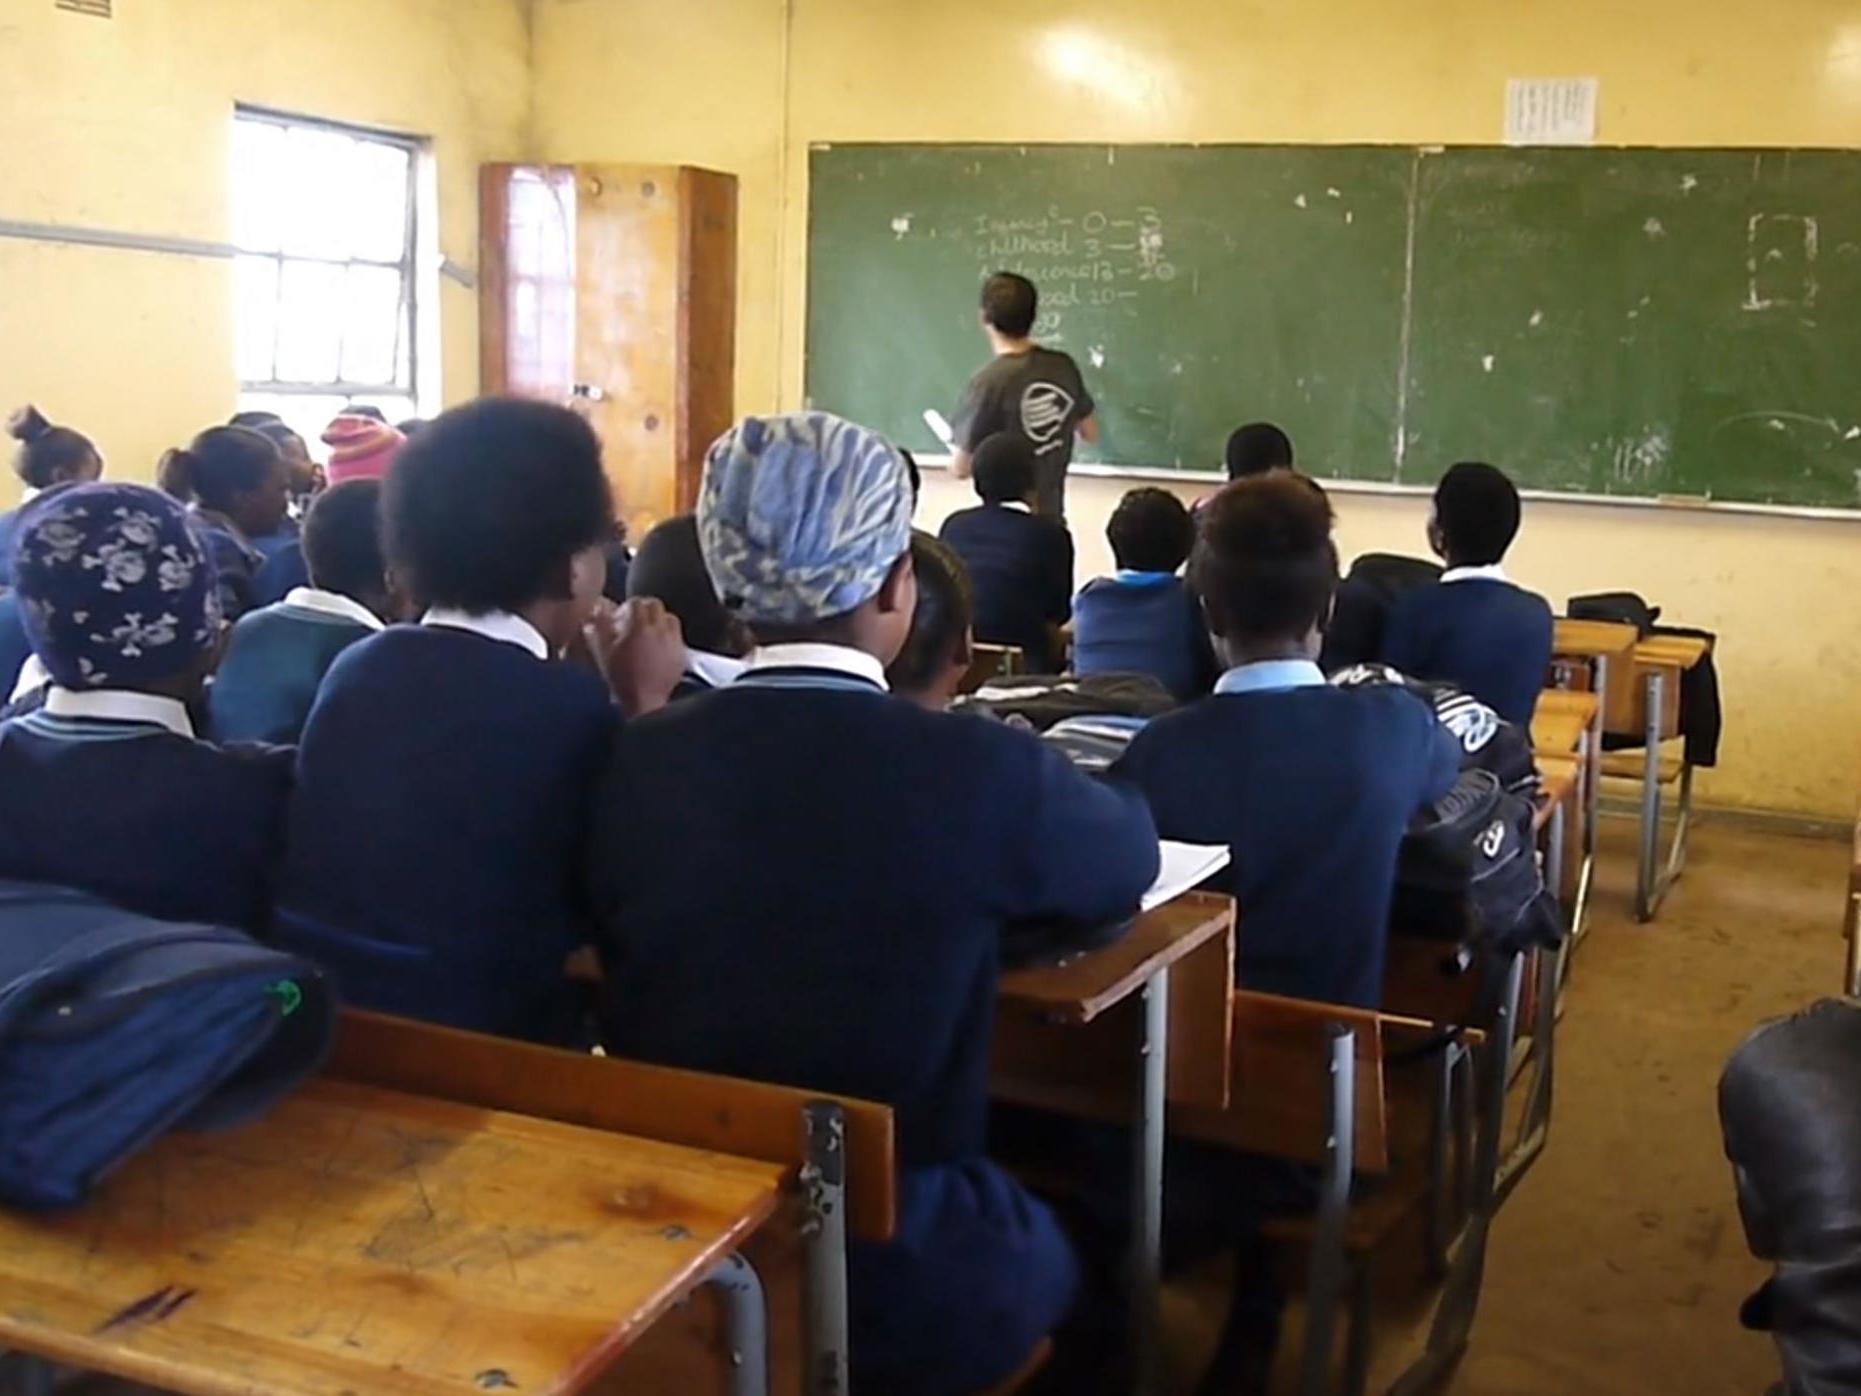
x: 1089, y: 846
x: 961, y: 465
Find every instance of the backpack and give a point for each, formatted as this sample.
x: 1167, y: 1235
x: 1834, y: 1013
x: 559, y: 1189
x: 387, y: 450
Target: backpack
x: 1468, y: 868
x: 1487, y: 741
x: 1040, y: 701
x: 1365, y: 598
x: 1623, y: 607
x: 115, y: 1028
x: 1468, y: 871
x: 1093, y: 744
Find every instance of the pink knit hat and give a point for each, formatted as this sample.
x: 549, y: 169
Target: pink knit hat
x: 360, y: 448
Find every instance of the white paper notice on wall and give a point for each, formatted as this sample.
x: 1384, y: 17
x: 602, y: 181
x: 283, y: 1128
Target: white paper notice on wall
x: 1551, y: 111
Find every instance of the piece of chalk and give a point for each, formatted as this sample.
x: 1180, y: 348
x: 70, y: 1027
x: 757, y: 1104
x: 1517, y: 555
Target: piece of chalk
x: 940, y: 427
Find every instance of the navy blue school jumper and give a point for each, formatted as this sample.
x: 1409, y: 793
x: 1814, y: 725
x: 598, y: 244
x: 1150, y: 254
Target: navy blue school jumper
x: 9, y: 525
x: 275, y: 661
x: 1478, y: 632
x: 802, y: 879
x: 283, y: 572
x: 1311, y: 788
x: 108, y: 792
x: 1144, y: 623
x: 15, y: 648
x: 438, y: 826
x: 1021, y: 565
x: 236, y: 563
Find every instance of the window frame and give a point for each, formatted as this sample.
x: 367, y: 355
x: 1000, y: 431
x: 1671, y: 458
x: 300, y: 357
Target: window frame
x: 408, y: 265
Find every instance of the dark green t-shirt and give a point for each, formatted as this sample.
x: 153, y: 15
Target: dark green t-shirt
x: 1041, y: 396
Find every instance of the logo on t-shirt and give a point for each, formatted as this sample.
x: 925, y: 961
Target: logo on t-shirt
x: 1045, y: 410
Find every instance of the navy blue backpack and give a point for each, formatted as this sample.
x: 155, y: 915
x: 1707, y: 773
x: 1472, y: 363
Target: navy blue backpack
x: 115, y: 1028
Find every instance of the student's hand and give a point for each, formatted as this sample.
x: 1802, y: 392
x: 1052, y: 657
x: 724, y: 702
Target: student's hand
x: 642, y: 649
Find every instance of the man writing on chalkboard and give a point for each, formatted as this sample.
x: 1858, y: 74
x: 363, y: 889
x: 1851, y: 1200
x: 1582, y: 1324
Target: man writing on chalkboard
x: 1034, y: 392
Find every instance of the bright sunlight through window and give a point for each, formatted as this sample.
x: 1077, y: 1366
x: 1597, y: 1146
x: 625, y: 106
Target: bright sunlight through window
x: 324, y: 221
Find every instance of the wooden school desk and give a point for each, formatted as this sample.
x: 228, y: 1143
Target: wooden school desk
x: 1601, y: 653
x: 1566, y: 726
x: 1654, y: 717
x: 1119, y: 1015
x: 361, y: 1240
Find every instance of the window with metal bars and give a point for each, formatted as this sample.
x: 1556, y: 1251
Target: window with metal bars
x: 325, y: 226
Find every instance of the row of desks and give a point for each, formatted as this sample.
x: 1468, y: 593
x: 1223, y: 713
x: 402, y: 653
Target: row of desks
x: 360, y: 1239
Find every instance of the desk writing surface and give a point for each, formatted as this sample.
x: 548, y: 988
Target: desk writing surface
x: 357, y: 1240
x: 1559, y: 729
x: 1590, y: 638
x: 1081, y: 989
x: 1557, y: 779
x: 1671, y: 651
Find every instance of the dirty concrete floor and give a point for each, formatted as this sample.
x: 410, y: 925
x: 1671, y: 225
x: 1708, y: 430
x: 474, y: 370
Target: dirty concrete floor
x: 1617, y: 1267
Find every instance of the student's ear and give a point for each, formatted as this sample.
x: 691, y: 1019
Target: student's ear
x: 1436, y: 539
x: 899, y: 591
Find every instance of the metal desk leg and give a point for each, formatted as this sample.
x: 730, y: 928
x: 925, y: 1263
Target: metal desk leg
x: 1325, y: 1285
x: 823, y: 1181
x: 1593, y: 762
x: 1147, y: 1186
x: 746, y: 1324
x: 1647, y: 874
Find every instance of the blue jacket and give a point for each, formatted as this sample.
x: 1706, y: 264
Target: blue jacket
x: 437, y: 831
x: 274, y: 664
x: 1022, y: 568
x: 1311, y: 788
x: 1144, y: 623
x: 153, y: 821
x: 1488, y: 637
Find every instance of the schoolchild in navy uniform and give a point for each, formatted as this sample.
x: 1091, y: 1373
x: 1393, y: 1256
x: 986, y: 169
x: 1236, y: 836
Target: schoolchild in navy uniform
x: 1020, y: 562
x: 805, y: 879
x: 106, y: 788
x: 48, y: 456
x: 1311, y: 786
x: 1476, y: 628
x: 1145, y: 619
x: 940, y: 648
x: 284, y: 568
x: 237, y: 481
x: 276, y: 656
x: 669, y: 568
x: 446, y: 771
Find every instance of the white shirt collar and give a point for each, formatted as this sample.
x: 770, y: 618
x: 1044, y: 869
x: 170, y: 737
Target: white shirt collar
x: 30, y: 493
x: 1020, y: 506
x: 1266, y: 675
x: 334, y: 604
x: 1494, y: 572
x: 121, y: 705
x: 32, y: 675
x: 841, y: 659
x: 717, y: 670
x: 493, y: 625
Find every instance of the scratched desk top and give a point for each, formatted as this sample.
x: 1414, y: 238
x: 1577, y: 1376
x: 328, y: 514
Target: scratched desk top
x: 362, y: 1241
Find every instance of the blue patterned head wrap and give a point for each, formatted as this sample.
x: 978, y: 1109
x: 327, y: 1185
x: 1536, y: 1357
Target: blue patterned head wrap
x: 801, y: 517
x: 115, y: 589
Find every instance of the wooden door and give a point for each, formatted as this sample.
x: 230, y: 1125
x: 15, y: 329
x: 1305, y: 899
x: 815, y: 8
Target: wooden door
x: 613, y: 287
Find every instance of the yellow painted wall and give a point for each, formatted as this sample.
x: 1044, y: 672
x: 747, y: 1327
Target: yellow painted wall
x: 124, y: 124
x: 747, y: 85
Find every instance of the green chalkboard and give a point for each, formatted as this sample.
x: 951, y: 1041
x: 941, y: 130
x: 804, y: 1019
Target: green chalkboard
x: 1629, y: 322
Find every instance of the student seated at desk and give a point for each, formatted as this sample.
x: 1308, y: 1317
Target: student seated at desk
x: 277, y: 656
x: 1311, y: 786
x: 820, y: 891
x: 105, y: 788
x: 669, y: 568
x: 445, y: 776
x: 235, y: 478
x: 1255, y: 449
x: 940, y: 649
x: 1145, y: 619
x: 1020, y: 563
x: 48, y: 456
x: 1475, y: 629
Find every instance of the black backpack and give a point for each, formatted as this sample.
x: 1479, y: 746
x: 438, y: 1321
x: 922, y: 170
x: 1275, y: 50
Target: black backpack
x: 1487, y: 741
x: 1377, y: 581
x: 1040, y: 701
x: 1468, y: 867
x: 1623, y: 607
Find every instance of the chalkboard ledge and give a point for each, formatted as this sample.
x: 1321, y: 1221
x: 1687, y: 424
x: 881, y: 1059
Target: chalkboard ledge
x: 1169, y: 475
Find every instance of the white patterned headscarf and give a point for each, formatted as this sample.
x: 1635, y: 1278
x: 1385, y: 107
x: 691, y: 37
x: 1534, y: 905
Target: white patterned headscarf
x: 801, y: 517
x: 115, y: 587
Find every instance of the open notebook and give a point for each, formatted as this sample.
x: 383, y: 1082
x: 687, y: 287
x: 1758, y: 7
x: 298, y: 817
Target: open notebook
x: 1185, y: 865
